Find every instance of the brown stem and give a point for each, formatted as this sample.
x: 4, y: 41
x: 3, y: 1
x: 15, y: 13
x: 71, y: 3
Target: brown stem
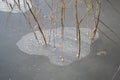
x: 77, y: 29
x: 115, y: 74
x: 62, y: 25
x: 96, y: 19
x: 28, y: 21
x: 38, y: 24
x: 62, y: 17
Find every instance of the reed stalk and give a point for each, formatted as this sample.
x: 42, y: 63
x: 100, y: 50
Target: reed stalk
x: 38, y: 24
x: 115, y: 74
x: 62, y: 26
x: 96, y: 17
x: 110, y: 29
x: 62, y: 17
x: 89, y: 8
x: 52, y: 20
x: 77, y: 29
x: 28, y: 21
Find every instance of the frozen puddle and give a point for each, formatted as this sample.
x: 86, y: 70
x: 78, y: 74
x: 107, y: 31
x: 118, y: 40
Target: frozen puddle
x: 10, y: 6
x: 29, y: 45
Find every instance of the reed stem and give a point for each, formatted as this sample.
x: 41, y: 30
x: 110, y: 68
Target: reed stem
x: 38, y: 24
x: 77, y: 29
x: 28, y: 21
x: 97, y: 15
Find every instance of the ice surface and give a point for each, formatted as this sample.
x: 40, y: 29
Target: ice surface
x: 7, y: 7
x: 66, y: 48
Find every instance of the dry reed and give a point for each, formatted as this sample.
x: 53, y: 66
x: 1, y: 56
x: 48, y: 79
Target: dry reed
x: 115, y: 74
x: 28, y: 21
x: 77, y: 29
x: 38, y: 25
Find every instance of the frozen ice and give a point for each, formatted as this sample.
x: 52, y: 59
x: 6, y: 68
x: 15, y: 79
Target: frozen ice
x: 10, y: 6
x: 64, y: 48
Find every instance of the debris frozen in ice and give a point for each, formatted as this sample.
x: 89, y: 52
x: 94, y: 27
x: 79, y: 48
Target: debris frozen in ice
x: 10, y: 6
x: 103, y: 52
x: 29, y: 45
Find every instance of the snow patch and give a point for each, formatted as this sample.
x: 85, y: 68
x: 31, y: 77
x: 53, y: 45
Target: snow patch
x: 10, y: 6
x: 66, y: 48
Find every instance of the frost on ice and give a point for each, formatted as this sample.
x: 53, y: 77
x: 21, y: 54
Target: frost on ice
x: 10, y: 6
x: 66, y: 48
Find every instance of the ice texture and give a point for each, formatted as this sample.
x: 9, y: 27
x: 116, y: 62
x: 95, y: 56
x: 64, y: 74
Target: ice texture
x: 66, y: 47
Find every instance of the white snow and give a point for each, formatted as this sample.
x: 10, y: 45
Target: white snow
x: 7, y: 6
x: 29, y: 45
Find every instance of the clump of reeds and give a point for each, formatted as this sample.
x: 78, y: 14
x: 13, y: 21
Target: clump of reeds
x: 89, y: 7
x: 93, y: 9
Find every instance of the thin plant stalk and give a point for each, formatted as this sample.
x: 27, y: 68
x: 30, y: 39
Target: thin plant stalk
x: 38, y: 24
x: 62, y: 17
x: 50, y: 18
x: 115, y: 9
x: 112, y: 40
x: 77, y: 29
x: 62, y: 25
x: 89, y: 7
x: 115, y: 74
x: 97, y: 14
x: 110, y: 29
x: 52, y: 21
x: 28, y: 21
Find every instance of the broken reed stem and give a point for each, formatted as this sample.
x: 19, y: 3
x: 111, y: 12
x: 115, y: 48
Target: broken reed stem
x: 28, y: 21
x: 77, y: 29
x: 38, y: 24
x: 97, y: 15
x: 115, y: 74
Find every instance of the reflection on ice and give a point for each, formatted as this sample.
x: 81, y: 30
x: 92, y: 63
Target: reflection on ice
x: 29, y: 45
